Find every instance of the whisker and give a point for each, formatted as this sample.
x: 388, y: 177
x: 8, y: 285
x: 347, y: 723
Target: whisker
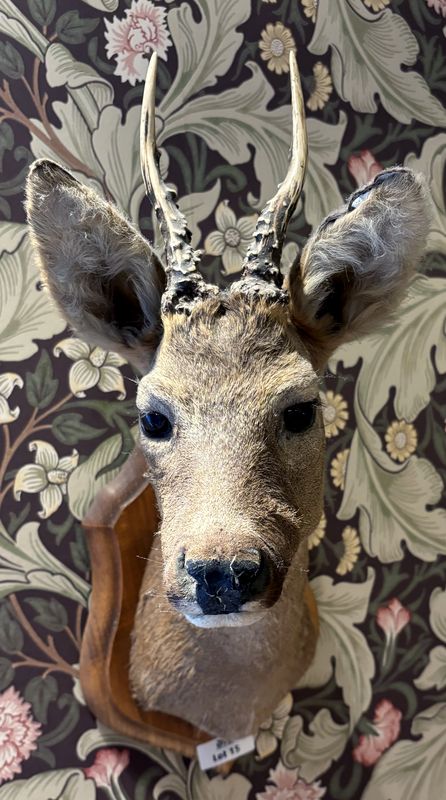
x: 131, y: 380
x: 159, y: 563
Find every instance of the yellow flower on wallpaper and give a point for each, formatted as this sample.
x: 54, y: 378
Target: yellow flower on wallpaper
x: 276, y: 44
x: 92, y: 366
x: 334, y: 412
x: 401, y: 440
x: 352, y: 548
x: 338, y: 468
x: 318, y: 534
x: 8, y: 382
x: 310, y: 8
x: 322, y: 87
x: 232, y: 239
x: 376, y: 5
x: 47, y: 476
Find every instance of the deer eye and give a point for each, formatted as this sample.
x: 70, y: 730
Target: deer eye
x: 156, y: 426
x: 300, y: 417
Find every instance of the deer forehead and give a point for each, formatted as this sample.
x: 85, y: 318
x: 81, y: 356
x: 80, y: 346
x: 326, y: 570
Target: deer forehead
x: 229, y: 351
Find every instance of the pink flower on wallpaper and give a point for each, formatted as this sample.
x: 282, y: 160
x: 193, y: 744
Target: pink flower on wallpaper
x: 108, y: 765
x: 133, y: 38
x: 392, y: 618
x: 18, y: 733
x: 364, y: 167
x: 387, y: 723
x: 438, y: 5
x: 286, y: 785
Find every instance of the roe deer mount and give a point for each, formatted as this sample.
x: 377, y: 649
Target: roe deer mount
x: 230, y: 420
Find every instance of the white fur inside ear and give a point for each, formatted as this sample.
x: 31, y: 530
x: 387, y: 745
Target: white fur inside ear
x: 355, y: 270
x: 102, y: 274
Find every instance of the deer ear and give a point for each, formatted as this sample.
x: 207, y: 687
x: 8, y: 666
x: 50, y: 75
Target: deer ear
x: 103, y: 276
x: 355, y: 268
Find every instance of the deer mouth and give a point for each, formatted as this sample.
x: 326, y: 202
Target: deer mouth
x: 234, y: 619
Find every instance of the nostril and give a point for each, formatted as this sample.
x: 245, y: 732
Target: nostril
x: 244, y: 571
x: 212, y: 576
x: 251, y: 574
x: 196, y: 569
x: 230, y: 583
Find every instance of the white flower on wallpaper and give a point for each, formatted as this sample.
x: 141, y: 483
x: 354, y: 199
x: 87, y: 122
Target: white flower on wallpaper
x: 272, y: 729
x: 47, y: 476
x: 8, y: 382
x: 132, y: 38
x: 232, y: 239
x: 92, y: 366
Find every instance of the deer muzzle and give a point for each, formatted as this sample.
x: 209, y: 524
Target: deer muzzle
x: 225, y: 591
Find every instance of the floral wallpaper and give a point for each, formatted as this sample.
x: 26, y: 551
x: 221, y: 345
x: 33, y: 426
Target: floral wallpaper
x: 369, y: 718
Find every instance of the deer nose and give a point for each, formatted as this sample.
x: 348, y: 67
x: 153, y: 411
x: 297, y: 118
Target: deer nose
x: 222, y: 586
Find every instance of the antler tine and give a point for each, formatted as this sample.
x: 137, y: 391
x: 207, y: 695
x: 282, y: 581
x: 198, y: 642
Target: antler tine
x: 261, y: 267
x: 184, y: 283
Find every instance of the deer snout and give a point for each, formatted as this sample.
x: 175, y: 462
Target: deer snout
x: 223, y: 586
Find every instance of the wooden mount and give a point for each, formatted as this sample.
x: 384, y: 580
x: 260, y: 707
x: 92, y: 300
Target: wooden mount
x: 120, y: 526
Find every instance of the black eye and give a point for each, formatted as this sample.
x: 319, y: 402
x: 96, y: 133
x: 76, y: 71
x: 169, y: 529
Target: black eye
x: 300, y: 417
x: 156, y: 426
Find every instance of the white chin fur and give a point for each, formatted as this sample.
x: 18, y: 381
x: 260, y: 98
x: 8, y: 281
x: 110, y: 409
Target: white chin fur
x: 238, y: 619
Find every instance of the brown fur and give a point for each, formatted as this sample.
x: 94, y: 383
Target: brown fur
x: 230, y: 478
x: 102, y: 275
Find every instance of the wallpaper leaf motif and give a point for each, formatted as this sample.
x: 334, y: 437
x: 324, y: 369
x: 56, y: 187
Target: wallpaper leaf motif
x: 314, y: 752
x: 86, y: 480
x: 434, y: 674
x: 21, y: 29
x: 367, y: 50
x: 404, y: 355
x: 321, y: 190
x: 116, y: 147
x: 27, y: 564
x: 103, y: 5
x: 202, y: 787
x: 25, y: 315
x: 413, y: 769
x: 431, y: 164
x: 62, y: 69
x: 341, y: 607
x: 205, y: 49
x: 42, y: 11
x: 240, y: 118
x: 88, y: 94
x: 197, y: 206
x: 393, y: 500
x: 63, y: 784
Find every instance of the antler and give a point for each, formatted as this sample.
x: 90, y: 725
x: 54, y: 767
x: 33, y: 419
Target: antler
x: 261, y: 267
x: 185, y: 286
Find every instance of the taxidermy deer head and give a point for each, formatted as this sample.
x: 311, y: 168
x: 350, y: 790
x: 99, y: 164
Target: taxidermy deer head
x: 228, y: 401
